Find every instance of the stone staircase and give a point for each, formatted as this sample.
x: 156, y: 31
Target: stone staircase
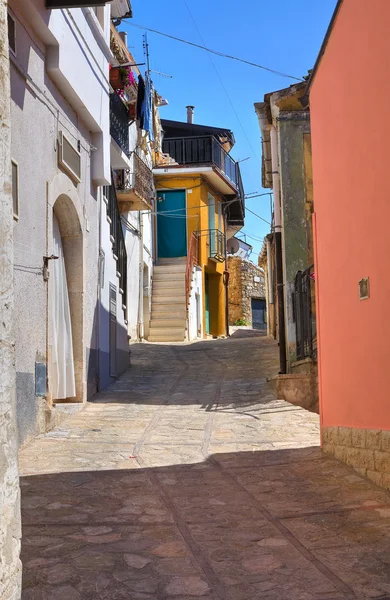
x: 169, y: 311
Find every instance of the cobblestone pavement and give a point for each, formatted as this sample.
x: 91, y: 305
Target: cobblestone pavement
x: 188, y: 479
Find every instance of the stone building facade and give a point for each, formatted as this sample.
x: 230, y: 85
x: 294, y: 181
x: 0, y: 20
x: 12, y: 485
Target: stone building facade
x: 10, y: 532
x: 246, y: 283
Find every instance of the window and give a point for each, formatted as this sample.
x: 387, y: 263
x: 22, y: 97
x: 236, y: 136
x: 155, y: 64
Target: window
x: 11, y: 34
x: 15, y: 188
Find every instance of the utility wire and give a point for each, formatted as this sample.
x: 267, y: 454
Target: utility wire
x: 247, y: 62
x: 221, y: 80
x: 256, y: 215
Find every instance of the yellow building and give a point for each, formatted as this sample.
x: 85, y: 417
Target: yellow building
x: 200, y: 203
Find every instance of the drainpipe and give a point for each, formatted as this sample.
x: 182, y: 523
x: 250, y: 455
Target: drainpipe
x: 99, y: 290
x: 141, y: 279
x: 226, y: 280
x: 278, y: 249
x: 269, y: 268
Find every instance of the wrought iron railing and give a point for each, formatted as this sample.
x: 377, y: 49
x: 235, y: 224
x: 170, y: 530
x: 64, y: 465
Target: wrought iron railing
x: 119, y: 122
x: 207, y: 150
x: 305, y: 314
x: 201, y: 150
x: 138, y: 179
x: 192, y: 260
x: 217, y: 245
x: 118, y: 239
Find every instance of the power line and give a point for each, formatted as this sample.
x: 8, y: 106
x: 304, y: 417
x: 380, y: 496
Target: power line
x: 256, y: 215
x: 247, y: 62
x: 221, y: 80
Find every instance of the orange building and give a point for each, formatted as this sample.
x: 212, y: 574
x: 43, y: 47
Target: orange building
x: 351, y: 177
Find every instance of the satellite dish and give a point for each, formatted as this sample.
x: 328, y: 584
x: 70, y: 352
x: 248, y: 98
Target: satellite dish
x: 234, y: 245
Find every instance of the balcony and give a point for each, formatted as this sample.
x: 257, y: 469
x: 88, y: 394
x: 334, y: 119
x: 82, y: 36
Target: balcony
x: 217, y: 245
x: 134, y: 186
x: 119, y: 122
x: 223, y: 172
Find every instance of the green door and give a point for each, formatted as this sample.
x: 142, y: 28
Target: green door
x: 171, y: 224
x: 207, y: 302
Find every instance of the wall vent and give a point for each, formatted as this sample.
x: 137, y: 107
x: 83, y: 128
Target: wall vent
x: 69, y: 158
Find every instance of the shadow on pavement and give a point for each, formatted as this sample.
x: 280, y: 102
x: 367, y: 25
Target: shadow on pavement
x: 273, y: 525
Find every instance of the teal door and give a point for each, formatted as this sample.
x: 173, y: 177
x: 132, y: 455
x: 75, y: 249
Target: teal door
x: 171, y: 224
x: 207, y: 302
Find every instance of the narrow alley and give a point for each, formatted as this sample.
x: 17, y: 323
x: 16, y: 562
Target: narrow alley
x: 187, y: 478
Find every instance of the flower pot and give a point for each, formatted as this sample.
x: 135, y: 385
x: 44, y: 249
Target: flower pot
x: 132, y: 112
x: 116, y: 78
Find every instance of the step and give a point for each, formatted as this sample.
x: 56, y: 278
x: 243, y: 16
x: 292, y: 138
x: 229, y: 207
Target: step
x: 172, y: 292
x: 172, y: 261
x: 174, y: 322
x: 179, y: 276
x: 179, y: 268
x: 163, y: 313
x: 166, y: 338
x: 157, y: 331
x: 169, y: 283
x: 168, y: 300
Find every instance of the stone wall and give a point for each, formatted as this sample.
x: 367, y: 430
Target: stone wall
x: 243, y: 287
x: 10, y: 533
x: 366, y: 450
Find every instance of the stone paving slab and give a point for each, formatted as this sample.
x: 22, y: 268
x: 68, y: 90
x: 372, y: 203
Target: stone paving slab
x: 188, y: 479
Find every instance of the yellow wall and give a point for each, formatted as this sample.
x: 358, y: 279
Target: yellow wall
x: 198, y: 221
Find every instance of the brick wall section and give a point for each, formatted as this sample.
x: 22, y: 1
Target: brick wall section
x: 366, y: 450
x: 242, y: 288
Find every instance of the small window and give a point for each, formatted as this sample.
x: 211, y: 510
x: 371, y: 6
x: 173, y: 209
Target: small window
x: 15, y: 188
x: 12, y: 34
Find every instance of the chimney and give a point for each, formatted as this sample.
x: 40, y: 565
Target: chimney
x: 123, y: 36
x: 190, y: 114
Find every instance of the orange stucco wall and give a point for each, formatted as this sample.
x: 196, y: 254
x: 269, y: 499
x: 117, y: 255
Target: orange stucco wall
x: 350, y: 123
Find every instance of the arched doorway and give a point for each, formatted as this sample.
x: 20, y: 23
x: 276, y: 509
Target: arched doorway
x: 66, y: 355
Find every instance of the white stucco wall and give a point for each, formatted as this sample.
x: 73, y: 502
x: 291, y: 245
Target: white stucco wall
x: 38, y: 112
x: 77, y: 55
x: 193, y: 318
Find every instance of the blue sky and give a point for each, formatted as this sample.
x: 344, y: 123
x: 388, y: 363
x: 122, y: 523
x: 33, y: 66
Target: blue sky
x: 286, y: 38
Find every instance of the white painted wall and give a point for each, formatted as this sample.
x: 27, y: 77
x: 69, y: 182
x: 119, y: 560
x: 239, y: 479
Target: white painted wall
x: 77, y: 55
x: 196, y: 290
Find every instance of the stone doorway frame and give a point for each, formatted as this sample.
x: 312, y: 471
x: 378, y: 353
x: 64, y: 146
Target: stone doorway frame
x: 64, y: 202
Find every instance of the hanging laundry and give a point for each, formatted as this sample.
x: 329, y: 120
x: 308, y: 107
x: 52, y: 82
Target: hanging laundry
x: 140, y: 100
x: 145, y: 105
x: 148, y: 114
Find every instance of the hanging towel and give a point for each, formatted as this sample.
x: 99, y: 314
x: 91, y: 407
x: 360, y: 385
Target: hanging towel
x: 148, y: 112
x: 62, y: 379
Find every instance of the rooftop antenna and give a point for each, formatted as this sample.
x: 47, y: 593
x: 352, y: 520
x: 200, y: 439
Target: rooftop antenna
x: 146, y: 51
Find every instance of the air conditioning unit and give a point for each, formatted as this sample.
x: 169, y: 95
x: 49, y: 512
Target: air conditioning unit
x: 69, y: 158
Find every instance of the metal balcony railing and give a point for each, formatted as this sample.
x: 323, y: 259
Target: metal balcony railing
x: 217, y: 245
x: 119, y: 122
x: 136, y: 182
x: 116, y: 232
x: 206, y: 150
x: 201, y: 150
